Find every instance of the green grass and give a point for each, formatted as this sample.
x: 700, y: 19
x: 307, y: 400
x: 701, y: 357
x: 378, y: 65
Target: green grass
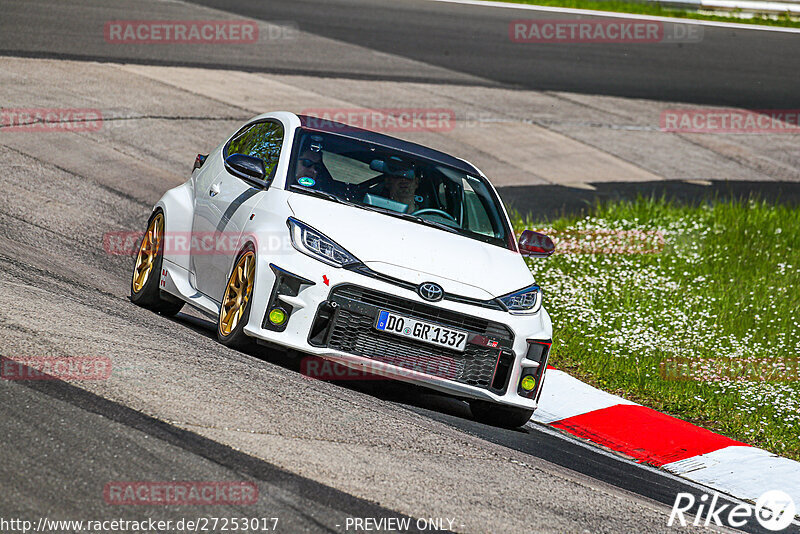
x: 656, y: 10
x: 723, y: 290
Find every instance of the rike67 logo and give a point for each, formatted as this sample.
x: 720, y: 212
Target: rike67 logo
x: 774, y: 510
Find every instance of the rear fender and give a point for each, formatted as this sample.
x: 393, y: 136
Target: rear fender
x: 178, y: 207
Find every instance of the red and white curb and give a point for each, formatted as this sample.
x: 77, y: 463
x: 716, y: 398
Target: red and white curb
x: 650, y: 437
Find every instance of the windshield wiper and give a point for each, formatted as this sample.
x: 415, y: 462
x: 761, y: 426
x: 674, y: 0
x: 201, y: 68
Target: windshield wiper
x: 415, y: 218
x: 435, y: 224
x: 318, y: 193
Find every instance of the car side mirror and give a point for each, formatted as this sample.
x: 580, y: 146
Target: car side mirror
x: 249, y: 168
x: 535, y: 244
x: 199, y: 161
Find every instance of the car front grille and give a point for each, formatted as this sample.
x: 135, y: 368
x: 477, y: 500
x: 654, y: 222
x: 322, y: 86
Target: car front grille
x: 492, y: 304
x: 421, y: 311
x: 350, y: 328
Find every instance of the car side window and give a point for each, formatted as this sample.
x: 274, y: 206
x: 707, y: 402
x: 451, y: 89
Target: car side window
x: 262, y: 140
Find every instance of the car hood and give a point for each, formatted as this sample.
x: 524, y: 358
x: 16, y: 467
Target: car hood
x: 414, y: 252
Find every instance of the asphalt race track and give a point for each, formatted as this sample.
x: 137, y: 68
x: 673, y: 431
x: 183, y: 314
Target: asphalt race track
x: 728, y: 67
x: 732, y: 67
x: 180, y: 406
x: 67, y: 458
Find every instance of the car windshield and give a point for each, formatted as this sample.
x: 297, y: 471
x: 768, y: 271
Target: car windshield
x: 374, y: 177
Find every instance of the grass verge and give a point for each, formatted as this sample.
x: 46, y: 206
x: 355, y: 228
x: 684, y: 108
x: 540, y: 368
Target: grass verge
x: 715, y: 291
x: 658, y: 11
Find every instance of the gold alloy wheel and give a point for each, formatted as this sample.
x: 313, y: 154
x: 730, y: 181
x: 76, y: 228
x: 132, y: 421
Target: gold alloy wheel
x: 148, y: 251
x: 237, y: 293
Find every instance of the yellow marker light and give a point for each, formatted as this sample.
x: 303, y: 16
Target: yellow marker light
x: 528, y: 383
x: 277, y: 316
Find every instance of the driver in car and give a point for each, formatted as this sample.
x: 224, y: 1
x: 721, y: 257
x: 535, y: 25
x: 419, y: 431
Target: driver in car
x: 309, y: 165
x: 402, y: 189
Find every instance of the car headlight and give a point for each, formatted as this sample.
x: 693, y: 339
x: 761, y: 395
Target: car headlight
x: 317, y: 245
x: 528, y: 300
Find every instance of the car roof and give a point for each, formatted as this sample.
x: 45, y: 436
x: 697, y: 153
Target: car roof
x: 413, y: 149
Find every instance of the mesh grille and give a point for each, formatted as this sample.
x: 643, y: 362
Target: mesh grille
x: 425, y: 312
x: 352, y: 332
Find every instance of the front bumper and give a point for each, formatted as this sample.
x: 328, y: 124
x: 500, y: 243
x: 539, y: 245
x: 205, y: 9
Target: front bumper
x: 332, y: 312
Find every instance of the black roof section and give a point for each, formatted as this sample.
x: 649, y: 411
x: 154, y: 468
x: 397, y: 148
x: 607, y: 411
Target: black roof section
x: 338, y: 128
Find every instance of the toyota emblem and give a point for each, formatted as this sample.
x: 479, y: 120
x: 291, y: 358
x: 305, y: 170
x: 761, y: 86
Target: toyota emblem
x: 430, y: 291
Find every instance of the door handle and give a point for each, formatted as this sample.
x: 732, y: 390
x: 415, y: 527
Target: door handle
x: 214, y: 191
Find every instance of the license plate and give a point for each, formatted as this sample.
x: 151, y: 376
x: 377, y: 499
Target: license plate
x: 434, y: 334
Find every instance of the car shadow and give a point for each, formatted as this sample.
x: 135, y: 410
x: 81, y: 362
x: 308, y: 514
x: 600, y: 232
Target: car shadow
x: 394, y: 391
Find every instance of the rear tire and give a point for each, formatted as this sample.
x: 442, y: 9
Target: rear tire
x: 145, y: 290
x: 234, y: 311
x: 497, y: 415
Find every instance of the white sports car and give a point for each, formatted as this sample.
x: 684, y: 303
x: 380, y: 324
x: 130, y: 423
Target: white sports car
x: 378, y: 254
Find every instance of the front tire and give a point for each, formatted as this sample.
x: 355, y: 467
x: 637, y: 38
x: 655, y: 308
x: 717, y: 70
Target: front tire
x: 146, y: 276
x: 497, y: 415
x: 234, y: 312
